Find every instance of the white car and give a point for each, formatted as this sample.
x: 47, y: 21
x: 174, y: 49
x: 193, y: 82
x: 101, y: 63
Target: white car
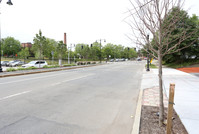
x: 16, y: 63
x: 37, y: 64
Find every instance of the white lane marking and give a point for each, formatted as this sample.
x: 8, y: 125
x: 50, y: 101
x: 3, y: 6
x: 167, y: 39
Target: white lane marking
x: 30, y: 79
x: 10, y: 96
x: 71, y: 80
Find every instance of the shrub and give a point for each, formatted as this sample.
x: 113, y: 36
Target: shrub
x: 21, y: 68
x: 30, y: 68
x: 46, y: 66
x: 11, y: 69
x: 68, y: 65
x: 53, y: 66
x: 79, y: 63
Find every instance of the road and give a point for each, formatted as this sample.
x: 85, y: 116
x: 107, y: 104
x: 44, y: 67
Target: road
x: 196, y: 74
x: 94, y: 100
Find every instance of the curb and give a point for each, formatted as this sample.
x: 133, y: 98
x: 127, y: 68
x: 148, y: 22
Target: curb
x: 44, y: 71
x: 136, y: 124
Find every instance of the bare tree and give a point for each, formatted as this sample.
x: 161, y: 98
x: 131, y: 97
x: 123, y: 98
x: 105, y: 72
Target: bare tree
x: 148, y: 17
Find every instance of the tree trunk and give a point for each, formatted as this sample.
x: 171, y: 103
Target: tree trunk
x: 161, y: 104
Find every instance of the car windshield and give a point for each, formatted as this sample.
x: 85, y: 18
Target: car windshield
x: 32, y: 62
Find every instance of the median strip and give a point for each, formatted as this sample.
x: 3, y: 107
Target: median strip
x: 44, y: 70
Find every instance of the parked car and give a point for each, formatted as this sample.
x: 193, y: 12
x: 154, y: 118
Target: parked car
x: 116, y: 60
x: 4, y: 63
x: 122, y: 59
x: 35, y: 64
x: 139, y: 59
x: 16, y: 63
x: 111, y: 60
x: 11, y: 62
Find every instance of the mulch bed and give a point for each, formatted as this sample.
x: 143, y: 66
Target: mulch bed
x: 149, y: 122
x: 189, y: 70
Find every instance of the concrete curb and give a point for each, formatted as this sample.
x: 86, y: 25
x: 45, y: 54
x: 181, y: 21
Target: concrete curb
x: 136, y: 124
x: 44, y: 71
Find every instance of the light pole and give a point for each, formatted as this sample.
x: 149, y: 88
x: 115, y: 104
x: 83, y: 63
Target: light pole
x: 148, y: 53
x: 1, y: 70
x: 40, y: 55
x: 69, y: 52
x: 100, y: 40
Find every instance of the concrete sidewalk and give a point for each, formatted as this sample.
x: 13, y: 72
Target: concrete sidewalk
x: 186, y: 94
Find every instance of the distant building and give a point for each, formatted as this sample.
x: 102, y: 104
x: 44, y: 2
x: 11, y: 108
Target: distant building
x: 28, y: 44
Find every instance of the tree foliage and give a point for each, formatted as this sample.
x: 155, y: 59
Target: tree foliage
x: 39, y: 45
x: 191, y: 24
x: 24, y: 53
x: 61, y: 50
x: 10, y: 46
x: 44, y: 48
x: 109, y: 51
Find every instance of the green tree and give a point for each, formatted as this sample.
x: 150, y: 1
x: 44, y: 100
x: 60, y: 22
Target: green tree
x: 82, y: 50
x: 118, y: 51
x: 129, y: 53
x: 95, y: 51
x: 24, y: 53
x: 188, y: 24
x: 10, y: 46
x: 39, y: 45
x: 108, y: 50
x: 61, y: 50
x: 50, y: 48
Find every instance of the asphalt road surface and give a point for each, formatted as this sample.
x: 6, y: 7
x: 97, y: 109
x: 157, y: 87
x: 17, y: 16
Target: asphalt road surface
x: 94, y: 100
x: 196, y: 74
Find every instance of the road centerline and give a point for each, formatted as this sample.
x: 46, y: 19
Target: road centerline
x: 71, y: 79
x: 14, y: 95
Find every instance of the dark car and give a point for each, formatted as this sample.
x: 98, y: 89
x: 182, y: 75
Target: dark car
x: 139, y: 59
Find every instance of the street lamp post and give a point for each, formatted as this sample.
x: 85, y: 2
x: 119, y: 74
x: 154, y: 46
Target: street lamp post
x: 1, y: 70
x: 40, y: 55
x: 148, y: 53
x: 69, y: 53
x: 100, y: 40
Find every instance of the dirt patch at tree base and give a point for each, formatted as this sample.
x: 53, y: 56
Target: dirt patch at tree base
x: 149, y: 122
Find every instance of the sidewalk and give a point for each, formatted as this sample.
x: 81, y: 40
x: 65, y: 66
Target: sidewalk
x: 186, y: 94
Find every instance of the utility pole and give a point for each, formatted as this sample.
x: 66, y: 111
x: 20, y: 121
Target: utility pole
x: 100, y: 40
x: 69, y: 49
x: 9, y: 3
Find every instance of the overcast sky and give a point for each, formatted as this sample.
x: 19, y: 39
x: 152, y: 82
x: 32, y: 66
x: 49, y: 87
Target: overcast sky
x: 84, y: 21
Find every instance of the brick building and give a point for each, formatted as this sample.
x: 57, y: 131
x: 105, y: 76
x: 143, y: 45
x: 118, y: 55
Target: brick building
x: 28, y: 44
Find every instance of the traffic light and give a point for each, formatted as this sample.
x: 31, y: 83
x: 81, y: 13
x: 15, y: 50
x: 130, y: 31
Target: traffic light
x: 82, y: 46
x: 91, y: 45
